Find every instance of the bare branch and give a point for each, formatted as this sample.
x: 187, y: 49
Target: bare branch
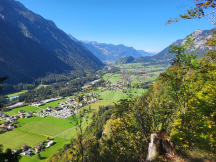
x: 200, y: 16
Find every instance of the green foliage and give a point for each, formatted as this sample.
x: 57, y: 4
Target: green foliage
x: 182, y: 101
x: 198, y: 9
x: 8, y: 155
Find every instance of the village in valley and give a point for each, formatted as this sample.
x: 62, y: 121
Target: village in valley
x: 63, y: 113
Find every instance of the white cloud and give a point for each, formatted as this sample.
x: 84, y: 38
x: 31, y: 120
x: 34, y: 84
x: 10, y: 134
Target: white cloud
x: 151, y: 51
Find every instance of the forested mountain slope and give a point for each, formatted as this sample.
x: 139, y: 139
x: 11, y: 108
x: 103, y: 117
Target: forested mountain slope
x: 31, y: 46
x: 125, y: 60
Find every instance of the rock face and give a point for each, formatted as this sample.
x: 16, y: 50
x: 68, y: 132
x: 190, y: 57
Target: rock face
x: 160, y: 144
x: 152, y: 149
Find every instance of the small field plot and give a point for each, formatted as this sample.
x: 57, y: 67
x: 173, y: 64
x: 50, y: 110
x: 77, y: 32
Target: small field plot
x: 33, y: 131
x: 106, y: 76
x: 137, y: 92
x: 152, y: 78
x: 17, y: 93
x: 16, y: 138
x: 48, y: 126
x: 24, y: 108
x: 53, y: 104
x: 2, y: 121
x: 97, y: 92
x: 38, y: 87
x: 115, y: 78
x: 113, y: 95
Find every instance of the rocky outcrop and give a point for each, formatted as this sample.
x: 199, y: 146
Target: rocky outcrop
x: 160, y: 144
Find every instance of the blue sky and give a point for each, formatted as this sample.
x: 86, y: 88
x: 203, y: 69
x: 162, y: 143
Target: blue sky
x: 135, y: 23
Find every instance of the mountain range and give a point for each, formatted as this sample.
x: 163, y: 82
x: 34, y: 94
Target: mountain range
x: 165, y: 56
x: 111, y: 52
x: 31, y: 46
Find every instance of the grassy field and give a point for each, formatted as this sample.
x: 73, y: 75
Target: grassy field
x: 64, y: 138
x: 106, y: 76
x: 97, y: 92
x: 41, y: 86
x: 152, y: 78
x: 73, y: 117
x: 17, y: 93
x: 60, y: 142
x: 2, y: 121
x: 115, y: 78
x: 52, y: 104
x: 24, y: 108
x: 113, y: 95
x: 16, y: 138
x: 137, y: 92
x: 33, y: 131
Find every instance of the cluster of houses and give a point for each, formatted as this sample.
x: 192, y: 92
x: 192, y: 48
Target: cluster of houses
x: 27, y: 150
x: 8, y: 124
x: 119, y: 85
x: 92, y: 97
x: 56, y: 112
x: 9, y: 120
x: 25, y: 115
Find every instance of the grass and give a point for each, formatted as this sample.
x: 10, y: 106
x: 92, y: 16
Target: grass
x: 115, y: 78
x: 16, y: 138
x: 137, y: 92
x: 24, y: 108
x: 17, y: 93
x: 52, y: 104
x: 152, y: 78
x: 97, y: 92
x: 113, y: 95
x: 41, y: 86
x: 106, y: 76
x: 73, y: 117
x: 60, y: 142
x: 34, y: 130
x: 2, y: 121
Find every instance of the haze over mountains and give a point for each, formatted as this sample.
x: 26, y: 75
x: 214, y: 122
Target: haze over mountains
x: 111, y: 52
x: 31, y: 46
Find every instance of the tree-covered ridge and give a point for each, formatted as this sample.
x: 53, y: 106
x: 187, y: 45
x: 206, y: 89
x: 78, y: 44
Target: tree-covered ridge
x: 125, y: 60
x: 182, y: 101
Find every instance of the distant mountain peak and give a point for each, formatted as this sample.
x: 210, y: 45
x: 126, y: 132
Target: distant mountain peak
x: 165, y: 56
x: 111, y: 52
